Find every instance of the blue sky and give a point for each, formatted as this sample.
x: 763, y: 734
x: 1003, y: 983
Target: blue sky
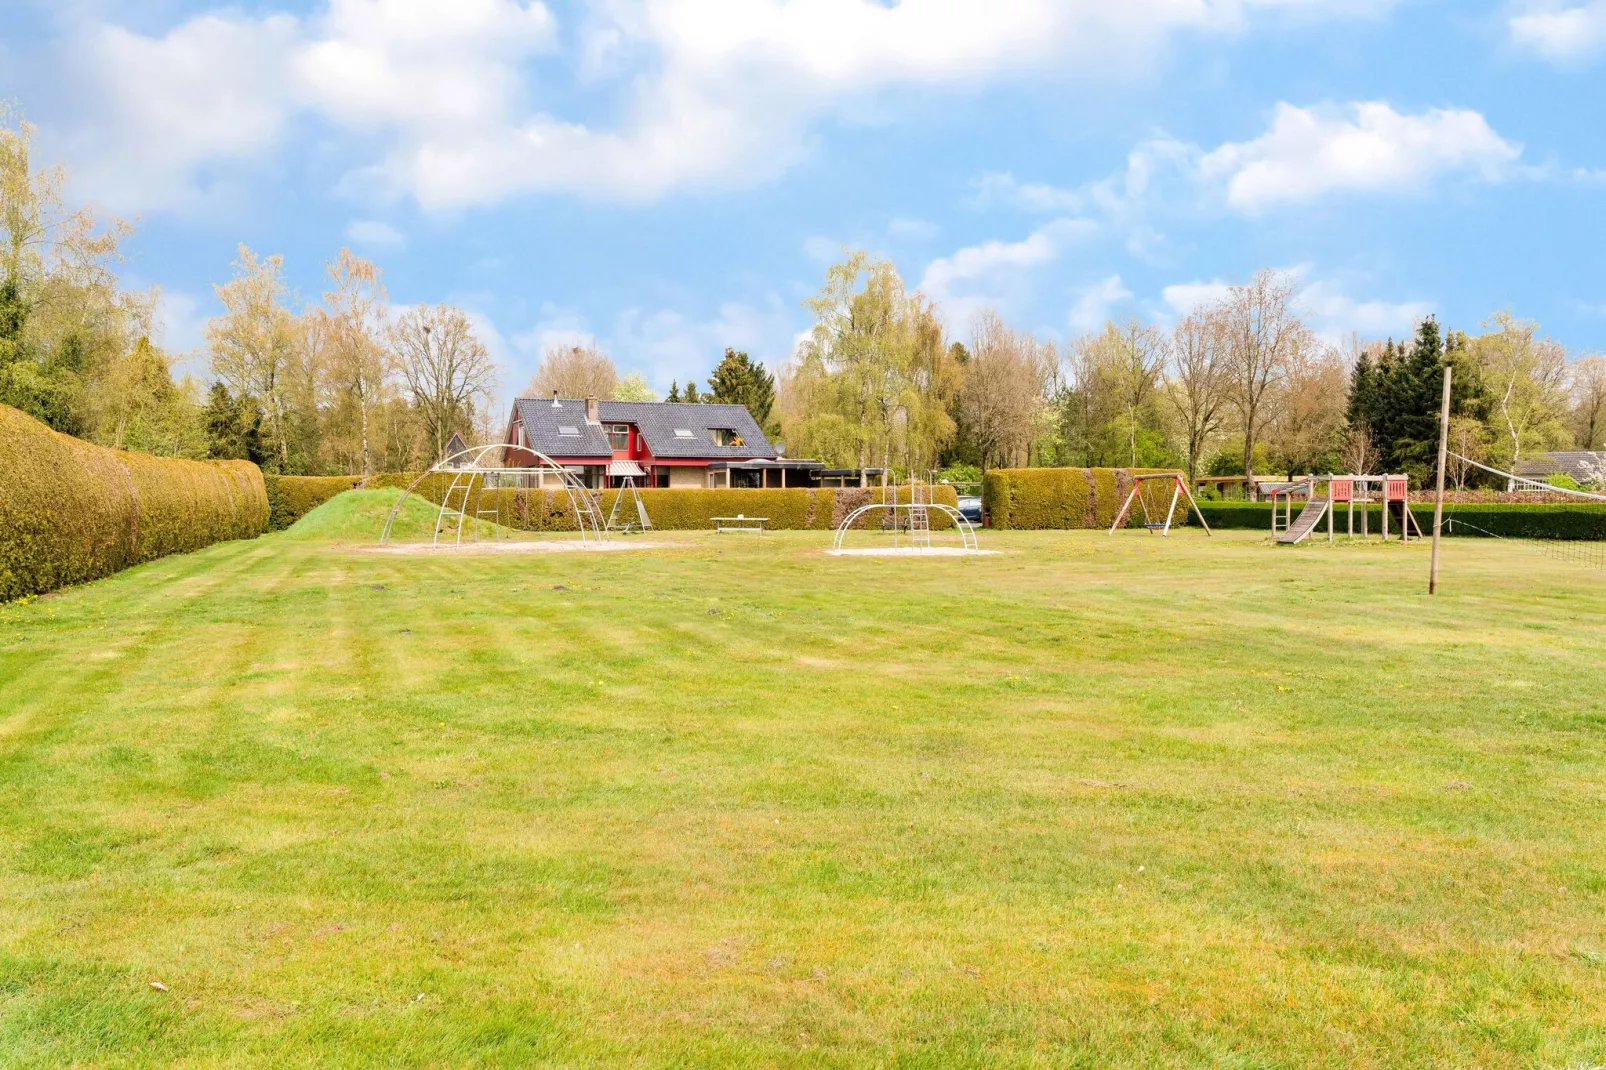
x: 672, y: 176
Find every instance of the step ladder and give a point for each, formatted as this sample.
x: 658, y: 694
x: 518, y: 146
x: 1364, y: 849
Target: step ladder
x: 1305, y: 523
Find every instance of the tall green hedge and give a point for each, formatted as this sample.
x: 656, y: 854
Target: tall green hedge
x: 1507, y: 520
x: 1061, y: 498
x: 71, y: 511
x: 292, y: 497
x: 680, y: 509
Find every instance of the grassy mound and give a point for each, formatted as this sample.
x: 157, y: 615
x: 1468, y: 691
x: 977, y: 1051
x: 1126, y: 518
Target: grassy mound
x: 358, y: 516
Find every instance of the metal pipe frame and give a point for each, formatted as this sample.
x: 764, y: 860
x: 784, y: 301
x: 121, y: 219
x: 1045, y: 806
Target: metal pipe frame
x: 967, y: 531
x: 587, y: 507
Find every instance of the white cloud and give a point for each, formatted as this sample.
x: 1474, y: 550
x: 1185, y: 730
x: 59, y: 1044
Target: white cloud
x: 709, y: 92
x: 1310, y: 152
x: 180, y: 328
x: 373, y: 232
x: 1562, y: 34
x: 174, y: 116
x: 1092, y: 307
x: 995, y: 272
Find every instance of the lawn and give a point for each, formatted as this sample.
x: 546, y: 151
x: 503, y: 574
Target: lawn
x: 1091, y: 802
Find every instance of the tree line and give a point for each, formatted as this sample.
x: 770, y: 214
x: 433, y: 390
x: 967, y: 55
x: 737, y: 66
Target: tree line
x: 347, y: 383
x: 1240, y: 386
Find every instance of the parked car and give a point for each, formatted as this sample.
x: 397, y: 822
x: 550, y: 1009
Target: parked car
x: 970, y: 509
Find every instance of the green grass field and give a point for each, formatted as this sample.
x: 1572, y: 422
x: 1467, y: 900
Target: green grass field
x: 1091, y: 802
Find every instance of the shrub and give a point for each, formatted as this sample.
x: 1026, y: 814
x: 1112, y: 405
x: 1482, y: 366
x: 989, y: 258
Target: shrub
x: 71, y: 511
x: 292, y: 497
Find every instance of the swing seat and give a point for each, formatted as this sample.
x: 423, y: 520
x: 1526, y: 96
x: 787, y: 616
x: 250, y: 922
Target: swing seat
x: 1155, y: 527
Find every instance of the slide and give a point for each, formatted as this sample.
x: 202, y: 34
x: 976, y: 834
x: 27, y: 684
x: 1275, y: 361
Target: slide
x: 1306, y: 521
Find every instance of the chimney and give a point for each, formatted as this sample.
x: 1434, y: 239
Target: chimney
x: 555, y: 403
x: 593, y: 411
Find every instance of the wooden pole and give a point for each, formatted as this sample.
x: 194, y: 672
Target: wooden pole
x: 1438, y: 494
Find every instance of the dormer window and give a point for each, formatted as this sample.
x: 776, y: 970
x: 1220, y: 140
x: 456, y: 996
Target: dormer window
x: 725, y: 436
x: 619, y: 437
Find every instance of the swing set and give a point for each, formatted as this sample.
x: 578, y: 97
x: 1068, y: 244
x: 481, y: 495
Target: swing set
x: 1179, y: 491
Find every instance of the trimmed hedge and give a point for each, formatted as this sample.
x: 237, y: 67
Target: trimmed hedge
x: 681, y: 509
x: 1484, y: 519
x: 292, y: 497
x: 1068, y: 498
x: 71, y: 511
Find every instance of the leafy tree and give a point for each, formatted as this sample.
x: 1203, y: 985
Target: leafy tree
x: 738, y: 380
x: 354, y: 363
x: 633, y: 387
x: 875, y: 379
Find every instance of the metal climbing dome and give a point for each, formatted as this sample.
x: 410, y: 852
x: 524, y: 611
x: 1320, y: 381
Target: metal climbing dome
x: 494, y: 492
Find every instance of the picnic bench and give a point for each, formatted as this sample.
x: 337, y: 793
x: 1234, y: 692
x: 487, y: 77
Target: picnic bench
x: 739, y: 522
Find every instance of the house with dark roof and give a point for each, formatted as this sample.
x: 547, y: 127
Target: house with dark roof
x: 656, y: 443
x: 1586, y: 467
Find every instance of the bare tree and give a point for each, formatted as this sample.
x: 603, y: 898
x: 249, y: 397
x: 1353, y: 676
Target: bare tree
x: 448, y: 372
x: 1142, y: 354
x: 1198, y: 388
x: 1003, y: 389
x: 1261, y: 333
x: 1589, y: 402
x: 578, y: 371
x: 1469, y: 439
x: 1309, y: 421
x: 1357, y: 453
x: 349, y: 330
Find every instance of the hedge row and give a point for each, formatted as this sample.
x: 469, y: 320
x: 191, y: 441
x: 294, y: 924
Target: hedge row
x: 71, y: 511
x: 1061, y: 498
x: 292, y: 497
x: 1507, y: 520
x: 687, y: 509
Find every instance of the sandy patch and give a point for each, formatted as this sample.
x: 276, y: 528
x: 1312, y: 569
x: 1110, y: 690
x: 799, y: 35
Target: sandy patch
x: 914, y: 551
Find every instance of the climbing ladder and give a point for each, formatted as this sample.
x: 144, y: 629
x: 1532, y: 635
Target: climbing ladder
x: 451, y: 518
x: 919, y: 514
x: 1305, y: 523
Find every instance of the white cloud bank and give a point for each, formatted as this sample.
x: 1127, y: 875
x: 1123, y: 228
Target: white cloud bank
x: 1562, y: 34
x: 1305, y: 154
x: 1310, y: 152
x: 708, y: 92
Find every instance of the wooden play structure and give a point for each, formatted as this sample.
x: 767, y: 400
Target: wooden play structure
x: 1179, y: 490
x: 1348, y: 491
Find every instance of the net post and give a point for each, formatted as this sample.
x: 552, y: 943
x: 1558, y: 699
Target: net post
x: 1438, y: 494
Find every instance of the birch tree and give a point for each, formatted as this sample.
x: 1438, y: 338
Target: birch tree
x: 1525, y: 377
x: 350, y: 328
x: 1261, y: 333
x: 254, y: 345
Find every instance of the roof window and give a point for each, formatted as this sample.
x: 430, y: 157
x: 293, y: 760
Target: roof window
x: 569, y: 431
x: 683, y: 432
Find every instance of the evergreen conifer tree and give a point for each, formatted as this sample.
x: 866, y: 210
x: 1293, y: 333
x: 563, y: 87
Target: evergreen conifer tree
x: 691, y: 396
x: 674, y: 393
x: 739, y: 381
